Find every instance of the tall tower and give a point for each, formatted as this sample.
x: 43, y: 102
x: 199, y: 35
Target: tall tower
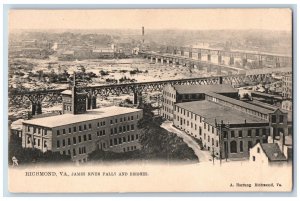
x: 74, y: 102
x: 143, y: 34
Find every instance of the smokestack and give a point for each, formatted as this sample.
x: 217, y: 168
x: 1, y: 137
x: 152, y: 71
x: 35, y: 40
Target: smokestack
x: 74, y: 94
x: 143, y: 33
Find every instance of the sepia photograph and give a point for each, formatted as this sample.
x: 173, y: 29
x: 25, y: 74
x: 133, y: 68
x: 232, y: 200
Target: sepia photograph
x: 150, y: 100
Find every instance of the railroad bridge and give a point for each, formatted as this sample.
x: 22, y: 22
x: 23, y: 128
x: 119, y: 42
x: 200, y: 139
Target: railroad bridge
x: 37, y: 97
x: 200, y: 56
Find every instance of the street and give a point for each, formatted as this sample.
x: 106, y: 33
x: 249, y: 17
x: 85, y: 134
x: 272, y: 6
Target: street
x: 203, y: 156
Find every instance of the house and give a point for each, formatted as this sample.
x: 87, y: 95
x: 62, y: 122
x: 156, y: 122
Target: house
x: 267, y: 154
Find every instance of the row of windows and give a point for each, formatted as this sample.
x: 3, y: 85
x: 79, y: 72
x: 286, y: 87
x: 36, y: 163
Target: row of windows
x: 187, y: 113
x: 168, y: 94
x: 274, y: 118
x: 122, y: 129
x: 37, y: 130
x: 74, y: 141
x: 122, y: 119
x: 213, y: 141
x: 120, y: 140
x: 250, y: 133
x: 131, y: 148
x: 69, y: 130
x: 81, y: 150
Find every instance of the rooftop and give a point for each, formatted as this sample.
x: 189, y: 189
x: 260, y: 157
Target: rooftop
x: 214, y: 112
x: 65, y: 119
x: 241, y: 103
x: 217, y: 88
x: 273, y: 152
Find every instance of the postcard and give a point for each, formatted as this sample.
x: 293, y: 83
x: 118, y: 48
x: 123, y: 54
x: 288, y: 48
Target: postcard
x: 150, y: 100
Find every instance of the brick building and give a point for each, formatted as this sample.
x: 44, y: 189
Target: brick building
x: 78, y: 131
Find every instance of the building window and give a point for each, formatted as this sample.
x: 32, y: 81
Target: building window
x: 280, y: 118
x: 132, y: 127
x: 249, y: 145
x: 57, y: 132
x: 264, y: 131
x: 84, y: 138
x: 233, y: 147
x: 74, y: 152
x: 217, y: 143
x: 115, y: 141
x: 273, y: 118
x: 124, y: 139
x: 69, y: 141
x: 64, y: 131
x: 131, y: 118
x: 74, y: 140
x: 70, y: 130
x: 212, y: 130
x: 111, y: 131
x: 111, y: 121
x: 80, y: 129
x: 57, y: 143
x: 258, y: 150
x: 253, y: 158
x: 232, y: 134
x: 241, y: 146
x: 249, y: 133
x: 90, y: 126
x: 240, y: 134
x: 84, y: 127
x: 90, y: 136
x: 74, y: 129
x: 225, y: 133
x: 120, y: 140
x: 200, y: 131
x: 120, y: 129
x: 111, y: 142
x: 204, y: 125
x: 79, y: 139
x: 208, y: 139
x: 212, y: 141
x: 63, y: 142
x: 121, y: 120
x: 115, y: 130
x: 257, y: 132
x: 132, y: 137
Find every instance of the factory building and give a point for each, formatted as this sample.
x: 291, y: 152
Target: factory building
x: 226, y: 126
x: 173, y: 94
x: 78, y: 131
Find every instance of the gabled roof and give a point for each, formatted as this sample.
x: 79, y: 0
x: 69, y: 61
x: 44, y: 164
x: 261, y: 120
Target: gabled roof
x: 273, y: 152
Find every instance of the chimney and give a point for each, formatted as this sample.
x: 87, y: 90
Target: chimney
x: 74, y: 94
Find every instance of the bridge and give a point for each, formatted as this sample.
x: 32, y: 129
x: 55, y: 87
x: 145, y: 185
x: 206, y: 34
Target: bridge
x: 199, y: 56
x: 37, y: 97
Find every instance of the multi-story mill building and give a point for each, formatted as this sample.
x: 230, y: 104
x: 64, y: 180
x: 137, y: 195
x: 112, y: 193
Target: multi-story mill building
x: 226, y: 126
x: 78, y: 131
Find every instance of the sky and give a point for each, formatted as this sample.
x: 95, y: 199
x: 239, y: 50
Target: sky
x: 192, y: 19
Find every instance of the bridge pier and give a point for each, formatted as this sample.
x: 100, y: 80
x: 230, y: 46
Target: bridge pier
x: 137, y: 98
x: 36, y: 108
x: 244, y: 62
x: 91, y: 102
x: 231, y: 61
x: 219, y: 59
x: 199, y: 56
x: 162, y: 61
x: 208, y: 58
